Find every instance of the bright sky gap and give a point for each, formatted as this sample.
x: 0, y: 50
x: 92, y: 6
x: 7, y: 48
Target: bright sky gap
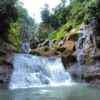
x: 34, y: 6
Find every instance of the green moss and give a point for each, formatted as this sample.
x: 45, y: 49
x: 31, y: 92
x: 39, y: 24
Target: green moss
x: 74, y: 37
x: 85, y: 19
x: 79, y: 13
x: 2, y: 52
x: 14, y: 35
x: 63, y: 31
x: 1, y: 60
x: 78, y: 26
x: 45, y: 48
x: 52, y: 35
x: 14, y: 41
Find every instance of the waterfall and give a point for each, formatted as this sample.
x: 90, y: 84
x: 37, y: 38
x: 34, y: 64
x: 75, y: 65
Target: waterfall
x: 25, y: 47
x: 30, y: 71
x: 79, y: 49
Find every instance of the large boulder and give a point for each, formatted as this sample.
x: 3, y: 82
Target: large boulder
x: 68, y: 60
x: 43, y: 52
x: 10, y: 48
x: 69, y: 45
x: 5, y: 72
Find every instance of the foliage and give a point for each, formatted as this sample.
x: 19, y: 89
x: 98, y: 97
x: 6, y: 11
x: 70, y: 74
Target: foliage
x: 45, y: 13
x: 85, y: 19
x: 8, y: 13
x: 2, y: 52
x: 14, y: 34
x: 1, y: 60
x: 14, y: 21
x: 45, y: 48
x: 77, y: 12
x: 73, y: 37
x: 42, y: 31
x: 52, y: 35
x: 60, y: 32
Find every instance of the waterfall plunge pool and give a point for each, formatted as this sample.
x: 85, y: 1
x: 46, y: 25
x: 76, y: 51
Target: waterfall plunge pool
x: 73, y: 92
x: 53, y: 82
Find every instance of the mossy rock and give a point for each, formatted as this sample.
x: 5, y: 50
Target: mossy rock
x: 45, y: 48
x: 1, y: 60
x: 74, y: 37
x: 2, y: 52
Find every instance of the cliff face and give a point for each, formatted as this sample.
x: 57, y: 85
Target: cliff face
x: 88, y: 54
x: 6, y: 66
x: 92, y: 52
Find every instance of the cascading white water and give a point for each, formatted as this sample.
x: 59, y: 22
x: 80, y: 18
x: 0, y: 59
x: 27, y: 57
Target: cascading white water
x: 30, y: 71
x: 79, y: 49
x: 25, y: 47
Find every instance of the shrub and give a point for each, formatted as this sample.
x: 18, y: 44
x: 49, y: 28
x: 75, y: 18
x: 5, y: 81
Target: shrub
x: 2, y: 52
x: 1, y: 60
x: 45, y: 48
x: 85, y: 19
x: 74, y: 37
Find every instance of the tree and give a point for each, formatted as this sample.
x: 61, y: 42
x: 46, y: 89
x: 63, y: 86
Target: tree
x: 8, y: 13
x: 45, y: 14
x: 63, y: 2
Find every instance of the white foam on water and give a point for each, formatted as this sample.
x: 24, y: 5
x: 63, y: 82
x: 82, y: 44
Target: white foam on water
x: 34, y: 71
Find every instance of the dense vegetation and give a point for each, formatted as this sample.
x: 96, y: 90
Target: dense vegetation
x: 62, y: 18
x: 56, y: 22
x: 14, y: 21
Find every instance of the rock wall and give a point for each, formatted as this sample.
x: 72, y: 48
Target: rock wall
x: 6, y: 66
x: 88, y: 54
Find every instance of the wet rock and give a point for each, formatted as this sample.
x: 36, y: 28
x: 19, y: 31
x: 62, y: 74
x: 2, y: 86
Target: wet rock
x: 46, y: 43
x: 1, y: 81
x: 51, y: 42
x: 25, y: 47
x: 96, y: 83
x: 69, y: 60
x: 95, y: 27
x: 35, y: 53
x: 2, y: 53
x: 96, y: 57
x: 62, y: 41
x: 61, y: 49
x: 5, y: 72
x: 74, y: 37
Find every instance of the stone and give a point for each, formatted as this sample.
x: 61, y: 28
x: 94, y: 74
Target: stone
x: 69, y: 45
x: 1, y: 81
x: 35, y: 53
x: 95, y: 27
x: 5, y: 72
x: 61, y: 49
x: 41, y: 52
x: 10, y: 48
x: 69, y: 60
